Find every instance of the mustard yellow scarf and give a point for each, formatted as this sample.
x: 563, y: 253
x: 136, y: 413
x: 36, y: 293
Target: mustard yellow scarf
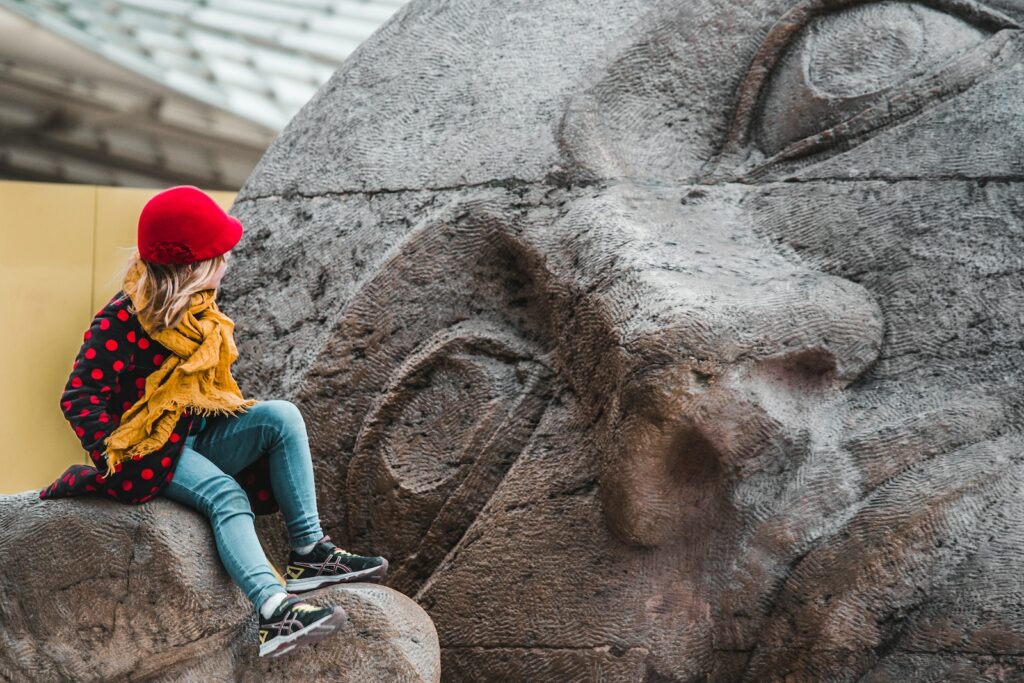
x: 195, y: 376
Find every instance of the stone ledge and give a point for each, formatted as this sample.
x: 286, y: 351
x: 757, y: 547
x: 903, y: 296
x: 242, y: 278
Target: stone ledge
x: 94, y: 590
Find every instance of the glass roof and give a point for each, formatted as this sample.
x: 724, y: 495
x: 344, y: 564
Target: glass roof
x: 149, y: 92
x: 220, y: 51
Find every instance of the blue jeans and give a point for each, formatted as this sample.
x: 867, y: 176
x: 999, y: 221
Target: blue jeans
x: 223, y: 446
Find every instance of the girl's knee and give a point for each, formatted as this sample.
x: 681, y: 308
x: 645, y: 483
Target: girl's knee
x: 282, y: 416
x: 279, y: 411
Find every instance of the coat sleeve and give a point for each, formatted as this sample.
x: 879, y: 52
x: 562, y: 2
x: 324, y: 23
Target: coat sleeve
x: 104, y: 355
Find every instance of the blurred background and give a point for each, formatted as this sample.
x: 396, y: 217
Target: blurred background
x: 102, y: 104
x: 147, y: 93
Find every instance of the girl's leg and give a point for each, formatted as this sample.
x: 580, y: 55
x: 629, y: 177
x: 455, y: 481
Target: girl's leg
x: 201, y: 485
x: 274, y: 427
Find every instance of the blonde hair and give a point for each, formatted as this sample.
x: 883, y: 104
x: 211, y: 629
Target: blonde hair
x: 167, y: 289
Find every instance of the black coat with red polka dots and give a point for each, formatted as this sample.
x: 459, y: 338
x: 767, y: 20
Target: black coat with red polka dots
x: 107, y: 378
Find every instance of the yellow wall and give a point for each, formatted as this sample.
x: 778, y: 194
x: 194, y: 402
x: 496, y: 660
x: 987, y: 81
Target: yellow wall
x: 61, y: 248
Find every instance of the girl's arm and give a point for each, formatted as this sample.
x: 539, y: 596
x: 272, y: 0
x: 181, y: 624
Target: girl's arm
x: 105, y: 353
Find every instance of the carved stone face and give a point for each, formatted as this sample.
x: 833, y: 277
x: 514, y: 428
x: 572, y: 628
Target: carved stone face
x: 663, y: 339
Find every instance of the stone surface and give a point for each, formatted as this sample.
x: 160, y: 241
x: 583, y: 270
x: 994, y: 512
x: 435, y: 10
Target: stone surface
x: 664, y: 340
x: 94, y: 590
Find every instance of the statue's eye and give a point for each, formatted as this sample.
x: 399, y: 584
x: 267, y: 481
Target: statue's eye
x: 825, y: 80
x: 843, y: 62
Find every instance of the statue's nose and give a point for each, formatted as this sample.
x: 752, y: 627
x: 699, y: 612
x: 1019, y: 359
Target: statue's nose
x: 822, y: 324
x: 724, y: 394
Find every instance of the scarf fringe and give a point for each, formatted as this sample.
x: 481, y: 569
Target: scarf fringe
x: 208, y: 412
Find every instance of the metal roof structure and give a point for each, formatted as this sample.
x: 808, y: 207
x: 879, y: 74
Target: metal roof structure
x: 155, y: 92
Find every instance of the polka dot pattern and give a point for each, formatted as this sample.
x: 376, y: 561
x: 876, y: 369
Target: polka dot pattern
x: 107, y: 378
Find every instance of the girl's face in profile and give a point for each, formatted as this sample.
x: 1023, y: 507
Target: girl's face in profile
x: 218, y: 275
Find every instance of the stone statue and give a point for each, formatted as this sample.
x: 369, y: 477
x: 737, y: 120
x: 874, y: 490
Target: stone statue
x: 664, y: 340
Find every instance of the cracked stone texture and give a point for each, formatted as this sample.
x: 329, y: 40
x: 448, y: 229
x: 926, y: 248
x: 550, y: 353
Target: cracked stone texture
x: 663, y: 340
x: 93, y: 590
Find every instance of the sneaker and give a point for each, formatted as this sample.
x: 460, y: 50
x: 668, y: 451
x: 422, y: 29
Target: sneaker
x: 326, y: 563
x: 296, y: 623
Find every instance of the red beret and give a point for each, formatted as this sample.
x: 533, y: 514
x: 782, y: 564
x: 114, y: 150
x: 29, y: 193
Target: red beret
x: 183, y: 224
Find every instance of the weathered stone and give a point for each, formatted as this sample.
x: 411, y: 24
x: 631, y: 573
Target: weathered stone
x: 664, y: 340
x: 94, y: 590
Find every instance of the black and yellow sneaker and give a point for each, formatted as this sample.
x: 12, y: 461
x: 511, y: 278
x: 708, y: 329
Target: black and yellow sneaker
x: 296, y: 623
x: 326, y: 563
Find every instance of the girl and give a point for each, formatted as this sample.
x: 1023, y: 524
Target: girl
x: 152, y: 399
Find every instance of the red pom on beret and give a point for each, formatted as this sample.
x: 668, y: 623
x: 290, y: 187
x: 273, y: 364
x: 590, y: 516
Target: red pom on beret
x: 183, y: 224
